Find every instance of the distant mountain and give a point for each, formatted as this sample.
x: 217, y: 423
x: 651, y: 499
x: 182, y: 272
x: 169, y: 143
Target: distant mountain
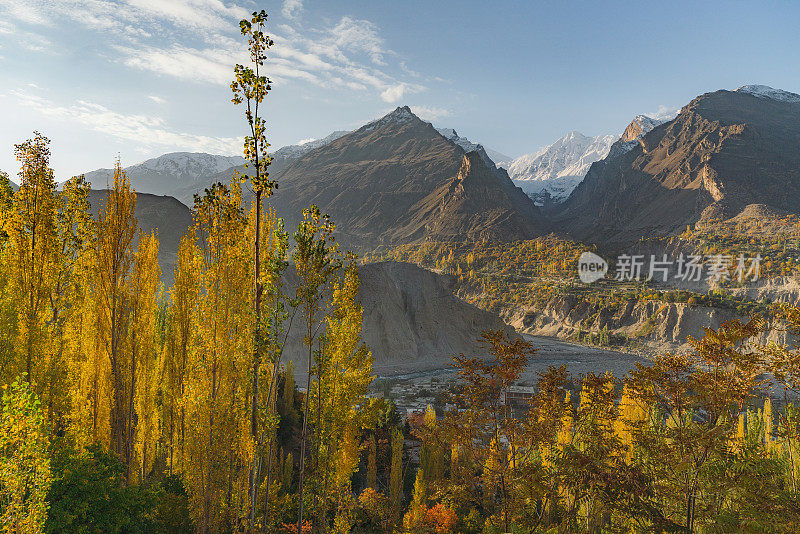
x: 763, y: 91
x: 170, y: 173
x: 282, y: 156
x: 182, y: 174
x: 295, y: 151
x: 164, y: 214
x: 398, y: 180
x: 550, y: 175
x: 469, y: 146
x: 725, y: 151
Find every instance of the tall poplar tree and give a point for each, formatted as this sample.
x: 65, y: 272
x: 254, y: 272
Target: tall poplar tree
x: 33, y: 239
x: 114, y: 259
x: 249, y: 88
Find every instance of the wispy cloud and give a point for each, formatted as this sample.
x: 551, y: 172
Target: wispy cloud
x: 144, y: 130
x: 322, y: 61
x: 353, y: 35
x: 208, y: 65
x: 158, y: 36
x: 157, y: 99
x: 108, y: 14
x: 292, y: 8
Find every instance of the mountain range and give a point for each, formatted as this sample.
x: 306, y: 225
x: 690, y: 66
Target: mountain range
x: 725, y: 151
x: 400, y: 180
x: 170, y: 173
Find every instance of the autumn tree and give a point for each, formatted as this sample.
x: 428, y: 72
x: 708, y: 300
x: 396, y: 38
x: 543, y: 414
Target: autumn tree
x: 249, y: 88
x: 218, y: 445
x: 696, y: 400
x: 75, y: 233
x: 489, y: 435
x: 396, y: 474
x: 344, y: 373
x: 33, y: 256
x: 316, y: 262
x: 182, y: 332
x: 24, y: 461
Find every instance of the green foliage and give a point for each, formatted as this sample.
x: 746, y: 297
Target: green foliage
x: 88, y: 495
x: 24, y: 463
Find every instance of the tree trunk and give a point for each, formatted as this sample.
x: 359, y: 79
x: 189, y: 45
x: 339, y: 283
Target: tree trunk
x: 305, y: 427
x: 256, y: 354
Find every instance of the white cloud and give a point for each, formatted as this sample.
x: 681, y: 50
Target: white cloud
x: 35, y: 42
x: 356, y: 36
x: 192, y: 13
x: 430, y: 113
x: 161, y: 36
x: 292, y: 8
x: 108, y: 14
x: 157, y: 99
x: 210, y: 65
x: 306, y: 141
x: 394, y: 93
x: 141, y: 129
x: 26, y: 11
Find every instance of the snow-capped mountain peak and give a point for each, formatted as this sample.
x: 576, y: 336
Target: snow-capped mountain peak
x: 764, y: 91
x: 551, y: 174
x: 187, y: 165
x: 400, y: 115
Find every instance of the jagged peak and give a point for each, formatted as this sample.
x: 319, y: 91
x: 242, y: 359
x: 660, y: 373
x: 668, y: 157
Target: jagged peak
x: 572, y: 135
x: 639, y: 126
x: 401, y: 115
x: 765, y: 91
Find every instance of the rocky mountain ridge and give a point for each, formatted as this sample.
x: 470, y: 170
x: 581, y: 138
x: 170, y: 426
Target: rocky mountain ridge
x: 724, y: 151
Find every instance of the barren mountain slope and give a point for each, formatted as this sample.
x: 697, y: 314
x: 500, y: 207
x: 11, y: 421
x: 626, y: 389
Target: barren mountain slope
x: 724, y: 151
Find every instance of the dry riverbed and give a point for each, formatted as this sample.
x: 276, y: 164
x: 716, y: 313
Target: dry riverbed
x: 414, y: 391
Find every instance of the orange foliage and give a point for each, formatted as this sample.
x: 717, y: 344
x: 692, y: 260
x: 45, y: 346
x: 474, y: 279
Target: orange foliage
x: 440, y: 519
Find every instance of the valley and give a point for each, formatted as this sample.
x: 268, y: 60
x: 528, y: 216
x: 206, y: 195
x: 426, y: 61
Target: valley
x: 399, y: 267
x: 507, y: 242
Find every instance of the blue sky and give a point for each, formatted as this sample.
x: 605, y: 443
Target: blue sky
x: 138, y: 78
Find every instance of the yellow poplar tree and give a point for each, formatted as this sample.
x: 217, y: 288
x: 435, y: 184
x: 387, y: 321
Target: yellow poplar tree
x: 218, y: 445
x: 33, y: 259
x: 114, y: 254
x: 181, y: 341
x: 340, y: 391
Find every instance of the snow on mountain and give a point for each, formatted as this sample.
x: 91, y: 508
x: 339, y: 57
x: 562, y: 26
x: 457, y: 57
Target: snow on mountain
x: 552, y: 173
x: 763, y: 91
x: 401, y: 115
x: 295, y: 151
x: 469, y: 146
x: 169, y: 172
x: 453, y: 136
x: 643, y: 124
x: 187, y: 165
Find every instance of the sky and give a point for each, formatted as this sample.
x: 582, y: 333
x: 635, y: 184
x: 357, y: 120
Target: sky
x: 138, y: 78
